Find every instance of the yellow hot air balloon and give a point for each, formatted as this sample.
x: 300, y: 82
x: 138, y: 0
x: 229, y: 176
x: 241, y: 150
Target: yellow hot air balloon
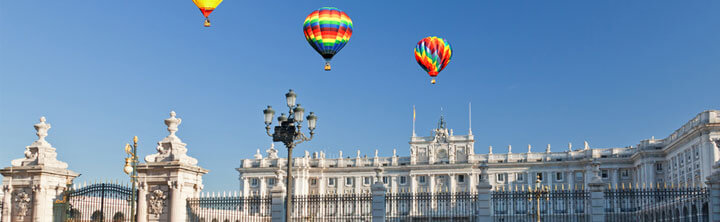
x: 207, y: 7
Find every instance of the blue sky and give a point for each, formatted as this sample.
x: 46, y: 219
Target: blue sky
x: 536, y: 72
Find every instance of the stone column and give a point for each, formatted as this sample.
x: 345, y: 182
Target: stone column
x: 35, y: 174
x: 37, y: 202
x: 413, y: 191
x: 340, y: 183
x: 171, y: 177
x: 7, y: 191
x: 713, y: 184
x: 278, y: 203
x: 571, y: 180
x: 432, y: 184
x: 245, y: 186
x: 484, y: 196
x: 393, y: 184
x: 453, y: 182
x: 378, y: 198
x: 378, y: 202
x: 142, y: 203
x: 471, y: 182
x: 263, y: 186
x: 177, y: 203
x: 597, y: 196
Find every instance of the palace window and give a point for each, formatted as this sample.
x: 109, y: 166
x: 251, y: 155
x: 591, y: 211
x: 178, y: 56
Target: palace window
x: 681, y: 160
x: 313, y: 181
x: 254, y: 182
x: 348, y: 181
x: 658, y: 166
x: 578, y: 176
x: 673, y: 165
x: 520, y: 176
x: 367, y: 180
x: 688, y: 155
x: 696, y: 149
x: 624, y: 173
x: 422, y: 179
x: 558, y: 176
x: 461, y: 178
x: 331, y: 182
x: 539, y: 176
x: 403, y: 180
x: 385, y: 180
x: 604, y: 174
x: 500, y: 177
x: 271, y: 181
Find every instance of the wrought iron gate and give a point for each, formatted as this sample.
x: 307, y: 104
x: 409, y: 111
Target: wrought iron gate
x: 96, y: 203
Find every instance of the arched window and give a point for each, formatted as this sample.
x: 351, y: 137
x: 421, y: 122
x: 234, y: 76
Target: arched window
x: 75, y: 215
x: 119, y: 217
x: 96, y: 216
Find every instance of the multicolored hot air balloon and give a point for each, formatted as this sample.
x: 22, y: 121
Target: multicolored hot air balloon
x: 433, y: 54
x: 207, y: 7
x: 328, y: 30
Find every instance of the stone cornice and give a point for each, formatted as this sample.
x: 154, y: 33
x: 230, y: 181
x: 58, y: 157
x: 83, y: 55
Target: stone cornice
x: 42, y: 170
x: 173, y: 165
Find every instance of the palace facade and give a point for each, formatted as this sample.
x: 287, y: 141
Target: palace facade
x: 445, y: 162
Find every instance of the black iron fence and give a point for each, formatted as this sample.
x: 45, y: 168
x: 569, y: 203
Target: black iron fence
x: 98, y: 202
x: 229, y: 208
x: 656, y: 204
x: 332, y: 207
x: 554, y: 205
x: 431, y: 207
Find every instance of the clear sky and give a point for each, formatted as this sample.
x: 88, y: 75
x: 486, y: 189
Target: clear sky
x: 537, y: 72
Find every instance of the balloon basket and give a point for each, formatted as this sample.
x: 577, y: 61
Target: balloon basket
x: 432, y: 81
x: 207, y: 23
x: 327, y: 66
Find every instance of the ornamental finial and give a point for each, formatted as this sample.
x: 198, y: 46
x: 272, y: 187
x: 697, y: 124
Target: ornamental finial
x: 42, y: 130
x: 172, y: 124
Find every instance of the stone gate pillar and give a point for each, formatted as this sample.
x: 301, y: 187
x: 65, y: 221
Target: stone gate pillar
x: 484, y: 192
x: 713, y: 185
x: 169, y: 177
x: 597, y: 196
x: 32, y: 183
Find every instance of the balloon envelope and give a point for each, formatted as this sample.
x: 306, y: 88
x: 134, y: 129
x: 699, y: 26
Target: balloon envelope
x: 327, y: 30
x: 207, y: 6
x: 433, y: 54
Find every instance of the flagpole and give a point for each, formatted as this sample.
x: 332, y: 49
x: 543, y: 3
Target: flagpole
x: 413, y: 132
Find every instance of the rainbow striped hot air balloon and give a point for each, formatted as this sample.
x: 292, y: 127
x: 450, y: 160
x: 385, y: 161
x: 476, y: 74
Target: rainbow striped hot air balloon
x: 207, y: 7
x: 327, y: 30
x: 433, y: 54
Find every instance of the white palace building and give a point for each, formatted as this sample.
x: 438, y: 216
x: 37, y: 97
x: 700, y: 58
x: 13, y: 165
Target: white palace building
x: 445, y: 162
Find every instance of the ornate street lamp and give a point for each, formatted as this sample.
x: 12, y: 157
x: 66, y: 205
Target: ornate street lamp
x: 131, y: 169
x: 538, y: 194
x: 288, y: 132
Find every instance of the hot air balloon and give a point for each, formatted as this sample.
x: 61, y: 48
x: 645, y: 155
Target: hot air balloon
x: 207, y: 7
x: 433, y: 54
x: 328, y: 30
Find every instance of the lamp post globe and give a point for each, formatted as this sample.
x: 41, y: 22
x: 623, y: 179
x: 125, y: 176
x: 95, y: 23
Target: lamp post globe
x: 269, y: 114
x: 290, y: 98
x: 312, y: 120
x: 298, y: 113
